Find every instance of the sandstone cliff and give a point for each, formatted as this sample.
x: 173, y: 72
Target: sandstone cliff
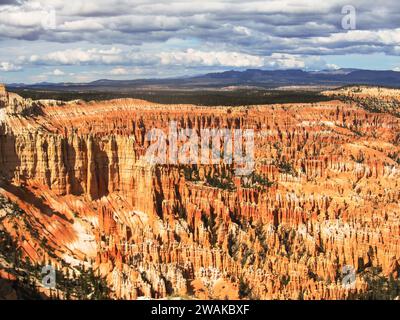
x: 324, y: 195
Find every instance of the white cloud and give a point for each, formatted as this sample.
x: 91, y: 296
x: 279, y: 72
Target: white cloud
x: 383, y: 37
x: 58, y: 72
x: 332, y: 66
x: 193, y: 57
x: 7, y: 67
x: 119, y: 72
x: 79, y: 57
x: 81, y: 25
x: 285, y: 61
x: 125, y: 60
x: 25, y: 17
x: 242, y: 30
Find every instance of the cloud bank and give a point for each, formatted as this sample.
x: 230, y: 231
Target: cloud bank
x: 191, y: 36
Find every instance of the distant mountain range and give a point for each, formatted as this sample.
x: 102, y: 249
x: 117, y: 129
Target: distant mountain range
x: 250, y: 77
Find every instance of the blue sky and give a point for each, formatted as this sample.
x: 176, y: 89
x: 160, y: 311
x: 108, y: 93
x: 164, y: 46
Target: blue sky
x: 79, y: 41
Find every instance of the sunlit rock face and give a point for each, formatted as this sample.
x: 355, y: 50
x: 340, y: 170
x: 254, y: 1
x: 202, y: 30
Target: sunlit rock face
x: 324, y: 195
x: 3, y: 96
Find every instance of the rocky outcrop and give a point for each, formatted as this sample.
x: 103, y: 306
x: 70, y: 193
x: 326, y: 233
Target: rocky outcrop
x: 374, y: 99
x: 324, y: 195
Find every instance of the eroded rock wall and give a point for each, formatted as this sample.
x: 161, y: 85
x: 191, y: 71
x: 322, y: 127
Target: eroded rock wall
x: 324, y: 195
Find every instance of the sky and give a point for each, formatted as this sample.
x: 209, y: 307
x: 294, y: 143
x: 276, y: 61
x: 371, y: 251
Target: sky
x: 81, y: 41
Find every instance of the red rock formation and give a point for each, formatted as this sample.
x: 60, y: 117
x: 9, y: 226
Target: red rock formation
x: 332, y: 198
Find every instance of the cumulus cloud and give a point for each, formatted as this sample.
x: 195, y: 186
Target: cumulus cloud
x: 190, y: 58
x: 8, y: 66
x: 285, y: 61
x: 58, y: 72
x: 211, y: 58
x: 78, y: 57
x: 118, y: 72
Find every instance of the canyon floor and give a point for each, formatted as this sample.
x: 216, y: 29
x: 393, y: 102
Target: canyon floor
x: 321, y: 207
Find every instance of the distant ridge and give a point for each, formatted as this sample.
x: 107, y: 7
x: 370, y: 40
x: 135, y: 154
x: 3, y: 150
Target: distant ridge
x: 250, y: 77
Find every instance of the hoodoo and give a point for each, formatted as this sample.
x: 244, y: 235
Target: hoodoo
x: 78, y: 193
x: 3, y: 95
